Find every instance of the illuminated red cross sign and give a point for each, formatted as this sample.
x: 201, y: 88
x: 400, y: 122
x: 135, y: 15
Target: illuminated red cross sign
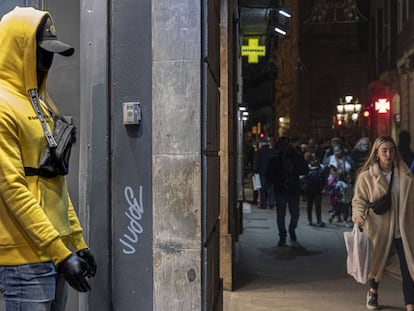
x: 253, y: 51
x: 382, y: 105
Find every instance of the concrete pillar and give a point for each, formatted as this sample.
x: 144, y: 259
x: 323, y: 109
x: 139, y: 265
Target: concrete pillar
x: 226, y: 240
x: 176, y: 159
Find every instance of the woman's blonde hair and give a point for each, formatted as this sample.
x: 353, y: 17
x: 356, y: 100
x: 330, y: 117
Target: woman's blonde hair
x: 373, y: 158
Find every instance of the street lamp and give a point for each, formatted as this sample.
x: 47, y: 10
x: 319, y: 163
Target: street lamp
x: 348, y: 110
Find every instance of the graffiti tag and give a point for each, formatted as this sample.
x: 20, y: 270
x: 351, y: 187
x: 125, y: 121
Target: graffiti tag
x: 134, y: 214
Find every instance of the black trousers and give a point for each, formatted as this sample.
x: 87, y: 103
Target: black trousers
x: 311, y: 199
x: 407, y: 281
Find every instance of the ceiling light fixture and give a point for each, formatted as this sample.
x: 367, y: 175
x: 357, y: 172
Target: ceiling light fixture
x: 285, y: 12
x: 280, y: 30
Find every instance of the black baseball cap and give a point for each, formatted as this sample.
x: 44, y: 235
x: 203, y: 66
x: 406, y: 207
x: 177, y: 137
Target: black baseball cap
x: 47, y: 39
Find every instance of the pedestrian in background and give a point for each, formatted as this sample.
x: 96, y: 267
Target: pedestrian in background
x: 251, y: 163
x: 261, y: 163
x: 338, y: 163
x: 329, y: 151
x: 360, y: 152
x: 284, y: 171
x: 41, y: 237
x: 342, y: 192
x: 404, y: 142
x: 313, y: 184
x: 392, y: 233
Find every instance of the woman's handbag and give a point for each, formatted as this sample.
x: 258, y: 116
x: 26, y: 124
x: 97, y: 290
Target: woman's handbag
x: 358, y: 247
x: 383, y: 204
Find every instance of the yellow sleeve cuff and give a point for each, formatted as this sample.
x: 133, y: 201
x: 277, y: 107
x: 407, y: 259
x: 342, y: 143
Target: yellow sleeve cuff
x: 78, y: 242
x: 58, y: 251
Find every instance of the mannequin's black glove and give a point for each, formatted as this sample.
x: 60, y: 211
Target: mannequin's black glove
x: 74, y: 269
x: 86, y: 255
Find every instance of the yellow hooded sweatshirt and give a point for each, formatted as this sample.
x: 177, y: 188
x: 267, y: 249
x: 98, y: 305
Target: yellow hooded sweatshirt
x: 37, y: 220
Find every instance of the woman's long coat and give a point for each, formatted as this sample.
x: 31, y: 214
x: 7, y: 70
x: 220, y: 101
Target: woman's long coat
x: 371, y: 185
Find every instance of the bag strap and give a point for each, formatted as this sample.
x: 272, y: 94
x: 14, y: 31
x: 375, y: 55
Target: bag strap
x: 31, y: 171
x: 392, y: 177
x: 34, y: 98
x: 50, y: 105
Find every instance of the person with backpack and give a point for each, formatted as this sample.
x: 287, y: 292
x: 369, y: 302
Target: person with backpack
x: 313, y: 185
x: 284, y: 173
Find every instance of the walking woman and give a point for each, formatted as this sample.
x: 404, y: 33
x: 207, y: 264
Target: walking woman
x: 391, y: 233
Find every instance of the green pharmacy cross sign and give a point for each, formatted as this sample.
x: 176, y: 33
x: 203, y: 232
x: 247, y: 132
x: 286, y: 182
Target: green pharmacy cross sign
x: 253, y: 51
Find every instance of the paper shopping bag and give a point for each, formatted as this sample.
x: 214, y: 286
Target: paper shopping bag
x: 256, y: 182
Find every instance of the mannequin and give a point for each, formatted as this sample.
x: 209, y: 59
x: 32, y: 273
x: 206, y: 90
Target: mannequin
x: 74, y: 268
x: 43, y: 247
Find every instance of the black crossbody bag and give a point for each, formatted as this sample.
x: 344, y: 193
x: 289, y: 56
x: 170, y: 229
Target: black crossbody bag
x: 383, y: 204
x: 55, y: 160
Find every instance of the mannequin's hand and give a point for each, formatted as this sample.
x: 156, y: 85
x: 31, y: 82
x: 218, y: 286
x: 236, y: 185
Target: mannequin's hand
x: 74, y: 269
x: 86, y: 255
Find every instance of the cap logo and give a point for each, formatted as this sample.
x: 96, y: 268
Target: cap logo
x: 52, y: 30
x: 47, y: 39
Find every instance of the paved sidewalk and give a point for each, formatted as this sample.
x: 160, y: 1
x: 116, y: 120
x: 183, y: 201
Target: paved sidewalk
x: 308, y: 276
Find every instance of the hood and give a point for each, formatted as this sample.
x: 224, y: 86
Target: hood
x: 18, y: 49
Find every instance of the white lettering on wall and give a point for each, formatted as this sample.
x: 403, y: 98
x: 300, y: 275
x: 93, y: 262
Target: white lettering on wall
x: 134, y: 214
